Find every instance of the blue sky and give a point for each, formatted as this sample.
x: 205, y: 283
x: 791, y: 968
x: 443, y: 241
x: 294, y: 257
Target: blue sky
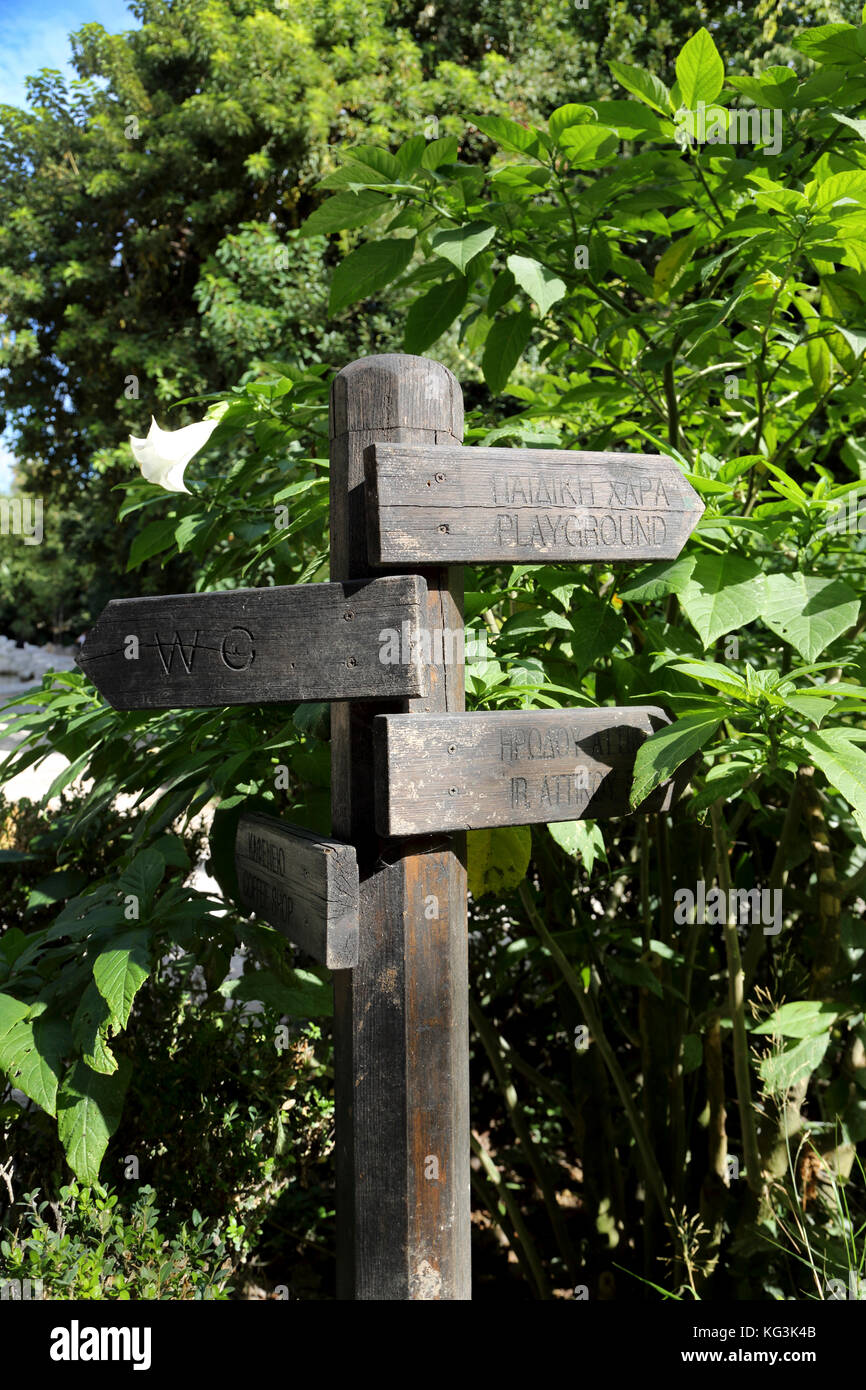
x: 34, y: 34
x: 5, y: 467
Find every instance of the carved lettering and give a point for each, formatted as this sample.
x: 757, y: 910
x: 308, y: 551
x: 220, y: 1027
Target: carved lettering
x: 263, y: 851
x: 537, y: 505
x: 570, y: 788
x: 518, y: 791
x: 511, y: 768
x: 545, y: 490
x: 268, y: 900
x: 617, y: 528
x: 623, y: 740
x: 186, y: 658
x: 236, y: 649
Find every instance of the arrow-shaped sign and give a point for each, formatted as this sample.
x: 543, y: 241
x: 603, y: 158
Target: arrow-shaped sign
x: 513, y: 767
x: 448, y: 505
x: 258, y: 646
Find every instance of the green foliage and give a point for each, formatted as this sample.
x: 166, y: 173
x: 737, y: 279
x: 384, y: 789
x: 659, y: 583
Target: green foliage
x: 597, y: 284
x: 87, y: 1246
x: 79, y: 975
x: 626, y: 283
x: 148, y: 225
x: 497, y: 859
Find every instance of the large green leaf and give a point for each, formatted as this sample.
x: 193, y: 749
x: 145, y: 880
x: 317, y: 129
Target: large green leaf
x: 511, y: 135
x: 156, y: 536
x: 807, y: 611
x: 540, y: 284
x: 843, y: 763
x: 645, y: 85
x: 583, y: 839
x: 782, y: 1069
x: 722, y: 781
x: 832, y: 44
x: 365, y: 165
x: 658, y: 579
x: 852, y: 122
x: 722, y: 593
x: 671, y: 264
x: 11, y: 1012
x: 663, y: 752
x: 497, y: 859
x: 345, y: 210
x: 597, y: 629
x: 89, y: 1106
x: 846, y: 185
x: 700, y: 70
x: 441, y: 151
x: 633, y: 121
x: 31, y: 1055
x: 803, y: 1018
x: 90, y: 1031
x: 584, y: 145
x: 142, y: 878
x: 573, y: 113
x: 120, y: 972
x: 713, y: 674
x: 505, y: 344
x: 535, y: 620
x: 435, y: 311
x: 55, y: 888
x: 459, y: 244
x: 368, y: 269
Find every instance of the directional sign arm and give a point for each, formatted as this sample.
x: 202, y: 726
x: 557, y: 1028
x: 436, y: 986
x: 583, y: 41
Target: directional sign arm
x: 255, y: 646
x: 453, y: 505
x: 302, y: 884
x: 513, y: 767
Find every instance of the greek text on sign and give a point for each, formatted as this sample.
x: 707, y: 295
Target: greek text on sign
x: 513, y: 767
x: 448, y: 505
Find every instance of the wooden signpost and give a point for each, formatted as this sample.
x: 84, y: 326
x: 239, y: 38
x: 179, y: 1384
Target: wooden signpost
x: 384, y: 903
x: 470, y: 771
x: 453, y: 505
x: 255, y: 646
x: 302, y: 884
x: 402, y: 1015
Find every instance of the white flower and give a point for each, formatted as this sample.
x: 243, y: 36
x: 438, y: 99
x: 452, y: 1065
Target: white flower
x: 164, y: 454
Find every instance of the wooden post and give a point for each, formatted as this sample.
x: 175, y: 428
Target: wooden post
x: 401, y: 1015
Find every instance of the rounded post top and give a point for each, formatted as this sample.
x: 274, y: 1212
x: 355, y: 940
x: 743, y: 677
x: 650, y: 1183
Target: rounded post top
x: 396, y: 391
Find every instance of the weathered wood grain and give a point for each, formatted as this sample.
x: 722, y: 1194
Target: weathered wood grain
x: 255, y: 646
x: 401, y: 1016
x: 513, y: 767
x: 302, y: 884
x: 452, y: 505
